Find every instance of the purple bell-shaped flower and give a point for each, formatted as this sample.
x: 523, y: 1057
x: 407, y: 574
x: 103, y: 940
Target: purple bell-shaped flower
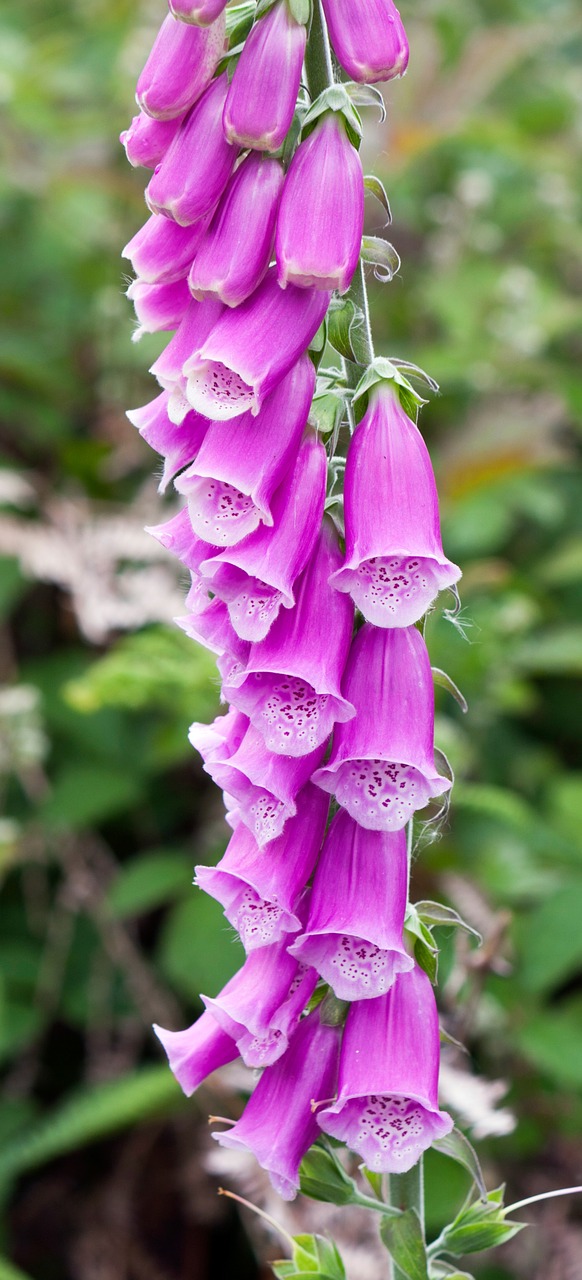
x: 235, y: 253
x: 180, y: 66
x: 195, y: 170
x: 368, y: 38
x: 262, y: 96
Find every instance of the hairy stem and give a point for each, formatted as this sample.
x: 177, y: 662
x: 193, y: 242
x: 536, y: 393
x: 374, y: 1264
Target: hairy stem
x: 406, y: 1191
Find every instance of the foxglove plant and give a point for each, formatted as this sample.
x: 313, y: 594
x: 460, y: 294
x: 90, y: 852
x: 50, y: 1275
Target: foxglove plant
x: 311, y: 599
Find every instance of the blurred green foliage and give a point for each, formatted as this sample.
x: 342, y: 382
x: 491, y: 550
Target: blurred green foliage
x: 106, y: 810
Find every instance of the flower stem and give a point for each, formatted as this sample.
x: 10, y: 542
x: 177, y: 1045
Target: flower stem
x: 406, y: 1191
x: 318, y: 64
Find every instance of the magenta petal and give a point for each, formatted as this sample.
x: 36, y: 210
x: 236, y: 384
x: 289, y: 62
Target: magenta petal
x: 260, y: 892
x: 177, y: 445
x: 200, y: 12
x: 239, y: 363
x: 230, y: 488
x: 395, y: 564
x: 387, y: 1104
x: 256, y: 577
x: 191, y: 178
x: 262, y: 96
x: 162, y: 250
x: 146, y: 140
x: 261, y: 1005
x: 177, y: 536
x: 159, y: 307
x: 236, y: 251
x: 353, y: 935
x: 321, y: 219
x: 278, y: 1124
x: 196, y: 325
x: 210, y: 625
x: 180, y: 66
x: 195, y: 1053
x: 369, y: 39
x: 290, y: 687
x: 382, y: 767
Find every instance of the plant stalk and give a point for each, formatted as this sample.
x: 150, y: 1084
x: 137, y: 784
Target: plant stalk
x: 406, y: 1191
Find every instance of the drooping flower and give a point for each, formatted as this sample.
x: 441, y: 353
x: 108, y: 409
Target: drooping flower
x: 368, y: 38
x: 230, y: 488
x: 198, y: 321
x: 382, y: 767
x: 395, y: 564
x: 146, y: 140
x: 252, y: 347
x: 260, y: 891
x: 290, y: 686
x: 195, y: 1053
x: 195, y: 170
x: 181, y: 64
x: 178, y: 537
x: 261, y: 1006
x: 278, y: 1124
x: 262, y: 96
x: 260, y: 788
x: 321, y: 219
x: 353, y: 935
x: 177, y: 445
x: 201, y: 12
x: 256, y: 577
x: 159, y: 307
x: 163, y: 250
x: 236, y: 251
x: 387, y: 1105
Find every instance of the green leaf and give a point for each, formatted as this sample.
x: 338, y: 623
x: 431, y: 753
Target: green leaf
x: 480, y: 1225
x: 445, y: 1271
x: 458, y: 1148
x: 9, y: 1272
x: 88, y: 1116
x: 335, y: 99
x: 404, y: 1240
x: 425, y: 950
x: 323, y: 1178
x: 327, y: 412
x: 552, y: 1041
x: 343, y: 319
x: 86, y: 794
x: 382, y: 255
x: 156, y: 667
x: 148, y: 881
x: 551, y: 940
x: 555, y: 652
x: 198, y: 950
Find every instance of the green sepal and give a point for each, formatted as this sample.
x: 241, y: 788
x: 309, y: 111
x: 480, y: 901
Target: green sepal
x: 404, y: 1241
x: 239, y: 20
x: 457, y: 1147
x: 314, y: 1258
x: 445, y: 682
x: 333, y: 1011
x: 335, y: 99
x: 263, y: 7
x: 377, y: 188
x: 323, y: 1177
x: 382, y: 255
x: 445, y: 1271
x: 366, y: 95
x: 327, y: 412
x: 300, y: 10
x: 435, y: 913
x: 375, y: 1180
x: 383, y: 370
x: 346, y: 322
x: 479, y: 1226
x: 318, y: 344
x: 425, y: 950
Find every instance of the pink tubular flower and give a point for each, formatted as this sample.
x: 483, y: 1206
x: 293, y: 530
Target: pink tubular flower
x: 260, y: 892
x: 198, y: 321
x: 189, y: 182
x: 163, y: 250
x: 177, y: 445
x: 252, y: 347
x: 395, y: 564
x: 262, y: 96
x: 261, y: 1006
x: 369, y: 39
x: 146, y: 140
x: 261, y: 788
x: 387, y: 1105
x: 353, y: 936
x: 256, y: 577
x: 158, y: 307
x: 235, y: 253
x: 290, y: 686
x: 201, y: 12
x: 230, y: 489
x: 321, y: 219
x: 278, y: 1124
x: 195, y: 1053
x: 382, y: 767
x: 180, y: 66
x: 177, y: 536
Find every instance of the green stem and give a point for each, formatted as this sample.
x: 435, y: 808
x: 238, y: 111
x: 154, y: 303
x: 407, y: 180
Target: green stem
x: 406, y: 1191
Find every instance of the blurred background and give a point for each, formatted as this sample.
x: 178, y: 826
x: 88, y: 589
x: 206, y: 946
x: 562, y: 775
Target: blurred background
x: 105, y: 1171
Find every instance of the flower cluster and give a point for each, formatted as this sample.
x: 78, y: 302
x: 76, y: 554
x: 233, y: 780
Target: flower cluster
x: 257, y: 207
